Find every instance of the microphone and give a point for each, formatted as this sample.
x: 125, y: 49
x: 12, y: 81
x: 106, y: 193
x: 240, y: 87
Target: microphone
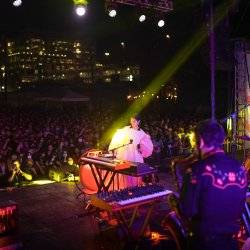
x: 130, y: 141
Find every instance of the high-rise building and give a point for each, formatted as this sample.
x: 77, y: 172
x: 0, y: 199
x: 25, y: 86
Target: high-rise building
x: 37, y: 59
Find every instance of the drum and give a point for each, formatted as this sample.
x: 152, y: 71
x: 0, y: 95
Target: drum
x: 87, y: 180
x: 89, y: 184
x: 120, y: 181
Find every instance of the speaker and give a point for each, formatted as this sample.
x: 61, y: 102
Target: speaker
x: 9, y: 239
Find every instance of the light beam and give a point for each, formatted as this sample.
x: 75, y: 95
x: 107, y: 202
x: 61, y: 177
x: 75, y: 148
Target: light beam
x: 169, y: 70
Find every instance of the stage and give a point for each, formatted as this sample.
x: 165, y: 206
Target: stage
x: 52, y: 217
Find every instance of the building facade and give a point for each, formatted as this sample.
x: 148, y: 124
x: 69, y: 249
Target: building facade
x: 37, y: 60
x: 108, y: 73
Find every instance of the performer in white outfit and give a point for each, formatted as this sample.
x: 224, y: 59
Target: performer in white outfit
x: 133, y: 144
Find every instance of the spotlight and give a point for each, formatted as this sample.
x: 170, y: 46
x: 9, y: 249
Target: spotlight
x: 161, y: 23
x: 167, y: 36
x: 17, y: 3
x: 80, y: 10
x: 112, y: 13
x: 142, y: 18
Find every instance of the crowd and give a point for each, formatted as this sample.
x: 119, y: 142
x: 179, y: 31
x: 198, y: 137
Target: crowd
x: 41, y: 138
x: 38, y: 140
x: 171, y: 137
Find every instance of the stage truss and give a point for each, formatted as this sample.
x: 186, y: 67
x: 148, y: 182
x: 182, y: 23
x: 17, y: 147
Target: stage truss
x: 241, y: 94
x: 158, y: 5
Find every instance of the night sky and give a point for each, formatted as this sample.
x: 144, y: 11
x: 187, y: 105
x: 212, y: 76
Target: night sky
x: 146, y: 44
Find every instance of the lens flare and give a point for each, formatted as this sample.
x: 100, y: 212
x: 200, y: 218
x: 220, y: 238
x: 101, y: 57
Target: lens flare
x: 17, y: 3
x: 80, y: 10
x: 142, y: 18
x: 112, y: 13
x: 161, y: 23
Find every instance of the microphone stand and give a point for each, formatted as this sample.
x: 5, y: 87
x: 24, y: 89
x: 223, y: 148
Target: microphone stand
x: 124, y: 145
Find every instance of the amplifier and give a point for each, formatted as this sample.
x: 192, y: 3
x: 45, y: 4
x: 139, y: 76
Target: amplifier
x: 9, y: 239
x: 8, y: 217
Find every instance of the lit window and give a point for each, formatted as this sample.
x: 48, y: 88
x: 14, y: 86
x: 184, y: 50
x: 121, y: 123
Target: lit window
x: 78, y: 51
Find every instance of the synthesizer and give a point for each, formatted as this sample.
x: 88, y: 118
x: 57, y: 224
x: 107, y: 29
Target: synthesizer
x: 107, y: 162
x: 129, y: 197
x: 136, y: 168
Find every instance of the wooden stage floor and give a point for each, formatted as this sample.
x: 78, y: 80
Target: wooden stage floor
x: 52, y: 217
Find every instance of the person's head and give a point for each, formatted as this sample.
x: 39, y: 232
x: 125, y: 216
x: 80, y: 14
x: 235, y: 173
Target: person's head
x: 70, y: 161
x: 135, y: 121
x: 210, y: 135
x: 13, y: 157
x: 16, y: 165
x: 30, y: 162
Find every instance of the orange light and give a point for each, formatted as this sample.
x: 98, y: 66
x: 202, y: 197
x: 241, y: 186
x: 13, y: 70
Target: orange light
x: 156, y: 237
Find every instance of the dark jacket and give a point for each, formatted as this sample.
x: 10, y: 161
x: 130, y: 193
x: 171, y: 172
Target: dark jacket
x: 213, y: 195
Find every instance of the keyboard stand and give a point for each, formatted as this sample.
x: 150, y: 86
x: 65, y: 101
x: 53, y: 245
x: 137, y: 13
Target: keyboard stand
x: 100, y: 179
x: 105, y: 181
x: 127, y: 215
x: 128, y: 223
x: 132, y: 208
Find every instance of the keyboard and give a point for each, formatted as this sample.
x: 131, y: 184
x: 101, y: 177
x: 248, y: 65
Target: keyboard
x: 131, y: 196
x: 110, y: 163
x: 143, y: 198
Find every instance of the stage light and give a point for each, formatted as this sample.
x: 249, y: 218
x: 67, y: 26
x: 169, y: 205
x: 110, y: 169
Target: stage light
x: 142, y: 18
x: 80, y: 10
x: 112, y: 13
x: 161, y: 23
x: 42, y: 182
x: 167, y: 36
x: 17, y: 3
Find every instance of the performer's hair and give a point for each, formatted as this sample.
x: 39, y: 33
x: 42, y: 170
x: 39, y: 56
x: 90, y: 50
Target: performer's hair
x: 136, y: 116
x: 211, y: 132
